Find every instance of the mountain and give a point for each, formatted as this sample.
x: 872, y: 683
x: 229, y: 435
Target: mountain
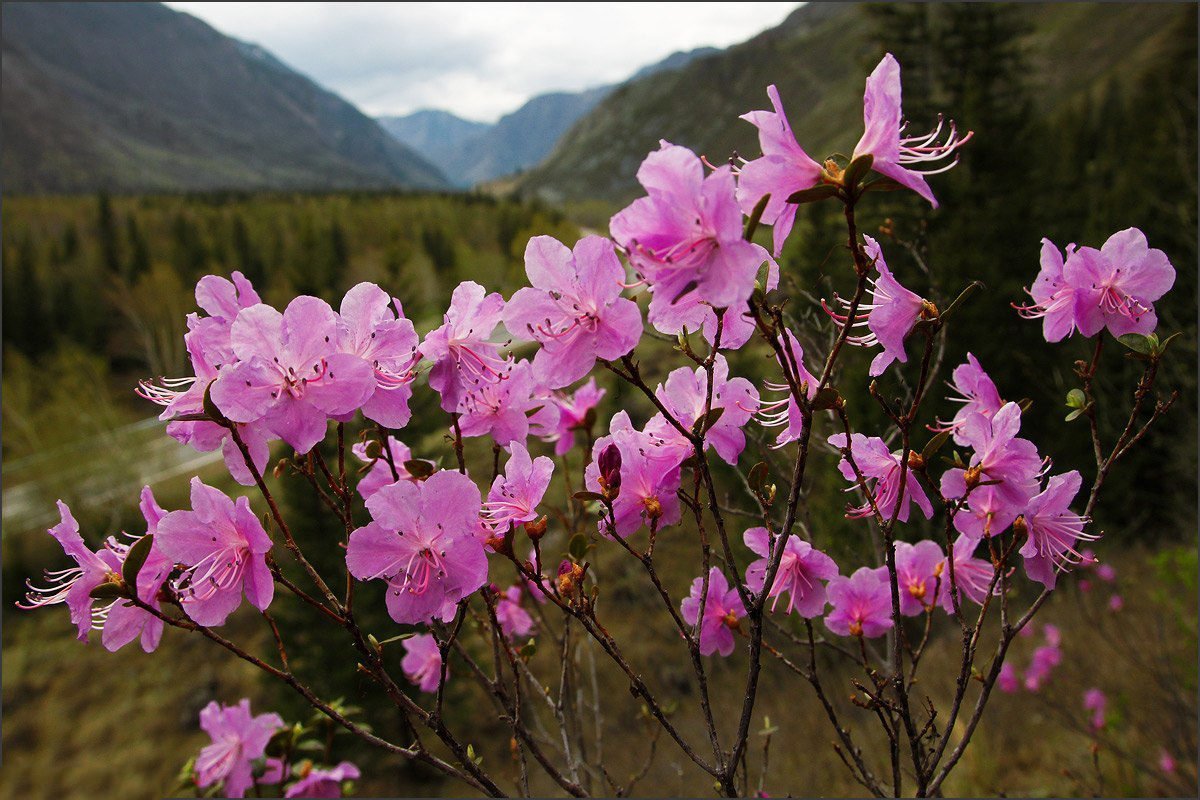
x: 137, y: 97
x: 471, y: 152
x: 819, y: 57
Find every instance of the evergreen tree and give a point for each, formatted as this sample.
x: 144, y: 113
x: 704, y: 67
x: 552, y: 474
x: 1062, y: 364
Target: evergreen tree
x: 139, y: 252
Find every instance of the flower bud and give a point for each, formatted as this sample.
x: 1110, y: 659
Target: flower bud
x: 535, y: 529
x: 609, y: 463
x: 916, y: 462
x: 501, y: 543
x: 570, y: 578
x: 1020, y: 527
x: 654, y: 508
x: 928, y: 310
x: 972, y: 476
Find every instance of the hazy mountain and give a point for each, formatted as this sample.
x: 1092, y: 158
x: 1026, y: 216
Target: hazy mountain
x: 819, y: 57
x: 137, y: 97
x: 472, y: 152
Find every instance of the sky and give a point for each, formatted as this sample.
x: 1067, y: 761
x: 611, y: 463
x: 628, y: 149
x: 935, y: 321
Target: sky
x: 478, y: 60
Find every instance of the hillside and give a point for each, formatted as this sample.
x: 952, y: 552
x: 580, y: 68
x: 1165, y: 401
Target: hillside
x: 819, y: 57
x: 137, y: 97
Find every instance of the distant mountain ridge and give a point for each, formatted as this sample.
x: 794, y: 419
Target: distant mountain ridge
x: 138, y: 97
x: 471, y: 152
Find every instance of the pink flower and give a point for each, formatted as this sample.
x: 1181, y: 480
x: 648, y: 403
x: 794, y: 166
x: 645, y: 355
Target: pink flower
x: 785, y: 411
x: 896, y: 156
x: 783, y: 170
x: 1095, y: 701
x: 290, y: 373
x: 324, y: 782
x: 802, y: 569
x: 574, y: 308
x: 1052, y: 635
x: 514, y: 496
x: 722, y: 610
x: 1105, y: 572
x: 422, y: 543
x: 501, y: 408
x: 690, y: 313
x: 463, y: 357
x: 1053, y: 530
x: 649, y: 470
x: 379, y: 473
x: 685, y: 393
x: 685, y: 237
x: 1045, y: 659
x: 223, y: 548
x: 976, y: 392
x: 1007, y: 680
x: 1053, y: 298
x: 919, y: 575
x: 890, y: 314
x: 125, y: 621
x: 238, y: 739
x: 375, y: 329
x: 1116, y: 286
x: 514, y: 620
x: 862, y: 604
x: 422, y: 663
x: 878, y: 463
x: 1116, y: 603
x: 573, y: 415
x: 222, y: 300
x: 972, y: 576
x: 1166, y: 763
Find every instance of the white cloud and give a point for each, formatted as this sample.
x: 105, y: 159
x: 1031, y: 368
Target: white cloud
x: 479, y: 60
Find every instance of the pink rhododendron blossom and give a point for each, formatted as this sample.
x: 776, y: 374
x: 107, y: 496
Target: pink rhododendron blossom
x: 919, y: 574
x: 379, y: 473
x: 222, y: 300
x: 999, y: 456
x: 375, y: 329
x: 223, y: 548
x: 422, y: 542
x: 908, y: 160
x: 783, y: 170
x: 74, y: 585
x: 1053, y: 530
x: 685, y: 395
x: 290, y: 373
x: 125, y: 621
x: 689, y: 313
x: 972, y: 576
x: 514, y: 620
x: 1105, y: 572
x: 515, y: 495
x: 573, y: 414
x: 574, y: 308
x: 1116, y: 603
x: 1007, y: 679
x: 889, y: 314
x: 502, y: 408
x: 685, y: 236
x: 862, y: 604
x: 238, y: 740
x: 422, y: 662
x: 801, y: 573
x: 1053, y: 298
x: 722, y: 610
x: 785, y: 411
x: 1116, y: 286
x: 323, y: 783
x: 977, y: 393
x: 649, y: 474
x: 461, y: 351
x: 882, y: 466
x: 1045, y: 659
x: 1096, y: 702
x: 1166, y: 762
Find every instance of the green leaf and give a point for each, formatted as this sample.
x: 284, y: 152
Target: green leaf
x: 107, y: 591
x: 529, y: 649
x: 706, y: 422
x: 134, y: 559
x: 374, y: 449
x: 882, y: 184
x: 210, y: 408
x: 935, y: 444
x: 589, y: 497
x: 822, y: 191
x: 1139, y: 343
x: 578, y: 546
x: 826, y: 399
x: 758, y: 475
x: 1076, y: 398
x: 857, y: 169
x: 1074, y: 415
x: 418, y: 468
x: 755, y: 216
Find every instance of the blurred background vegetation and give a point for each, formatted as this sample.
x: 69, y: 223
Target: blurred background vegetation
x: 96, y: 288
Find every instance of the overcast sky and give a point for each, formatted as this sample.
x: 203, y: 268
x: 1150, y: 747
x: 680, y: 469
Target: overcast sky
x: 479, y: 60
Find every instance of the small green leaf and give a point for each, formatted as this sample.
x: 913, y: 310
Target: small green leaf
x: 210, y: 408
x: 706, y: 422
x: 107, y: 591
x: 374, y: 449
x: 1139, y: 343
x: 1074, y: 415
x: 857, y: 169
x: 529, y: 649
x: 821, y: 191
x: 935, y: 444
x: 589, y: 497
x: 882, y: 184
x: 1162, y: 347
x: 826, y: 399
x: 1076, y: 398
x: 578, y: 546
x: 418, y: 468
x: 755, y: 216
x: 758, y: 475
x: 134, y: 559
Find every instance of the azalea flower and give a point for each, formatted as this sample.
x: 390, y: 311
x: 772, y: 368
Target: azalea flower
x: 375, y: 329
x: 514, y: 620
x: 1052, y: 530
x: 1053, y: 298
x: 222, y: 299
x: 785, y: 411
x: 422, y: 542
x: 574, y: 308
x: 722, y: 610
x: 1007, y: 679
x: 883, y: 466
x: 977, y: 393
x: 379, y: 473
x: 783, y: 170
x: 502, y: 408
x: 572, y: 415
x: 972, y: 576
x: 323, y: 782
x: 514, y: 496
x: 1116, y: 286
x: 862, y: 604
x: 238, y: 739
x: 1096, y: 702
x: 919, y: 574
x: 1045, y: 659
x: 907, y: 160
x: 290, y: 374
x: 685, y: 393
x: 422, y: 662
x: 223, y: 547
x: 463, y: 355
x: 126, y: 621
x: 649, y: 470
x: 802, y: 570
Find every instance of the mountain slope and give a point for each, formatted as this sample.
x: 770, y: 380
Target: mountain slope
x: 819, y: 57
x: 136, y: 97
x: 437, y: 134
